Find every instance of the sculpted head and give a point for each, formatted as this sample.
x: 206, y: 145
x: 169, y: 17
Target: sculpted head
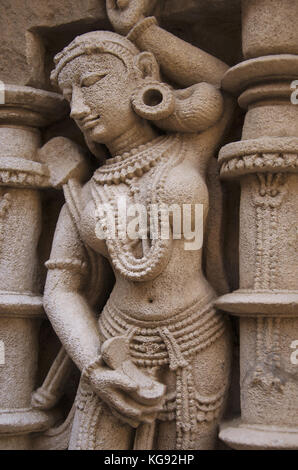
x: 98, y: 74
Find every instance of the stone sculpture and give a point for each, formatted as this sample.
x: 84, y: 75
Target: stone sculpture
x: 155, y: 363
x: 153, y: 359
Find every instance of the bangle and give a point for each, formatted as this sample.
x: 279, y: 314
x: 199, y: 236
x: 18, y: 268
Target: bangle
x: 87, y: 371
x: 70, y: 264
x: 141, y: 27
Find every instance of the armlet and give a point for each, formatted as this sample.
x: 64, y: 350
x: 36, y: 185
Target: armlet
x: 141, y: 27
x: 69, y: 264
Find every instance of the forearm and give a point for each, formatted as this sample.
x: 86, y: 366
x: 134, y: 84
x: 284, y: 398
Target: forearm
x: 75, y: 325
x: 183, y: 63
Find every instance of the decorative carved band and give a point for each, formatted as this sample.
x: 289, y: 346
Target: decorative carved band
x: 272, y: 189
x: 264, y: 155
x: 260, y: 162
x: 18, y: 172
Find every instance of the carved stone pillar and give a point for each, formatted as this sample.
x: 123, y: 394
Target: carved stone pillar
x: 21, y: 176
x: 266, y: 162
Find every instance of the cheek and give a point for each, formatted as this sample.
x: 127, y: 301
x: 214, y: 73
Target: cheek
x: 118, y: 105
x: 93, y: 98
x: 111, y: 100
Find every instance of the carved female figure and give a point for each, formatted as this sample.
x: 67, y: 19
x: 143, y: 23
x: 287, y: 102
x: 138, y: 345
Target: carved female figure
x: 160, y: 140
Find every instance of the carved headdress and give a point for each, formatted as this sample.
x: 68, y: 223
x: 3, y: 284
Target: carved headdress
x: 93, y: 43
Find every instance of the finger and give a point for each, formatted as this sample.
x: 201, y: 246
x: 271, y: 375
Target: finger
x: 124, y: 383
x: 124, y: 419
x: 128, y: 407
x: 113, y: 379
x: 147, y: 401
x: 145, y: 410
x: 117, y: 401
x: 152, y: 410
x: 147, y: 419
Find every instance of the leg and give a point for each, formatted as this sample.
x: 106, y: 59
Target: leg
x: 95, y: 427
x: 210, y: 369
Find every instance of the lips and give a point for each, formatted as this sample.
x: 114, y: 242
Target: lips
x: 89, y: 123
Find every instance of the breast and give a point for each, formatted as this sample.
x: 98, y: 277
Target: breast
x: 88, y: 229
x: 185, y: 185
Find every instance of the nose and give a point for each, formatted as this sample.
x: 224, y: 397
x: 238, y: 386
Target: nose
x: 79, y: 109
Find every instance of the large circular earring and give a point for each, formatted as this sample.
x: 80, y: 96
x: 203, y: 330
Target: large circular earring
x: 153, y: 100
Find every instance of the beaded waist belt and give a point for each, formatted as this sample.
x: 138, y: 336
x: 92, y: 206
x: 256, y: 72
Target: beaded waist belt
x: 172, y: 341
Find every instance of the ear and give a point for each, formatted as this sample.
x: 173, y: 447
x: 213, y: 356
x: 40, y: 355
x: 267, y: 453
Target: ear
x: 146, y: 66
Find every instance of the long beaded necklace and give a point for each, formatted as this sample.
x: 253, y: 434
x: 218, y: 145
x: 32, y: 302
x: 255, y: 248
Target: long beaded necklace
x: 158, y: 158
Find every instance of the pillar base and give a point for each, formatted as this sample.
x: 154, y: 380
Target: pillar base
x: 243, y: 436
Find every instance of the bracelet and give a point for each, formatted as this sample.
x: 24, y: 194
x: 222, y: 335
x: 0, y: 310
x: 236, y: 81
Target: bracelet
x: 141, y: 27
x: 72, y: 264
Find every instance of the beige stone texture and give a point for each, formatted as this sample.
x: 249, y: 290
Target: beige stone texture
x: 116, y: 342
x: 265, y: 161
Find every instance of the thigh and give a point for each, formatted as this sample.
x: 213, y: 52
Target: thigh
x: 211, y: 367
x: 96, y: 428
x: 210, y: 371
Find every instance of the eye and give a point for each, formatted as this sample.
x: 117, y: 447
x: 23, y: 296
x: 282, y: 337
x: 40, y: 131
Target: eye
x: 92, y: 78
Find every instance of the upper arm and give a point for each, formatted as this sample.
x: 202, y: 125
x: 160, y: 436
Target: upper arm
x: 182, y: 62
x: 68, y: 263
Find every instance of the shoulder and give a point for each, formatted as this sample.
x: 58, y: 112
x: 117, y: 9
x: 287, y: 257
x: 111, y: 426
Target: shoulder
x: 77, y: 195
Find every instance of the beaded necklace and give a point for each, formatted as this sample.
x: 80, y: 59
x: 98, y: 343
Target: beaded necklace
x: 158, y: 157
x: 132, y: 164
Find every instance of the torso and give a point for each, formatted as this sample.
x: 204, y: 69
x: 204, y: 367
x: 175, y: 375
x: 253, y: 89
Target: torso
x: 182, y: 278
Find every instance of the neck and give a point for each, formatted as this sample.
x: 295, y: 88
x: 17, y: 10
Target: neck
x: 139, y: 134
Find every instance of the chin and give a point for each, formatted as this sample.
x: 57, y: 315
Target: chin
x: 99, y: 134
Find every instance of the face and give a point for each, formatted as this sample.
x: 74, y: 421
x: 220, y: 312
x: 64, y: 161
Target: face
x: 99, y: 89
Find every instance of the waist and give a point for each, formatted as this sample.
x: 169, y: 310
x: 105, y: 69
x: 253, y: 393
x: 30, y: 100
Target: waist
x: 149, y: 303
x: 191, y: 329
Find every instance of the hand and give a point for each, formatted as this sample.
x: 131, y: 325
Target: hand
x: 125, y: 14
x: 122, y: 394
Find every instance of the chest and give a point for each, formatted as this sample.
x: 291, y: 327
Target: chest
x: 182, y: 185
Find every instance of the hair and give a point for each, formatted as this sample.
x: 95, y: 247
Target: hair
x: 94, y: 43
